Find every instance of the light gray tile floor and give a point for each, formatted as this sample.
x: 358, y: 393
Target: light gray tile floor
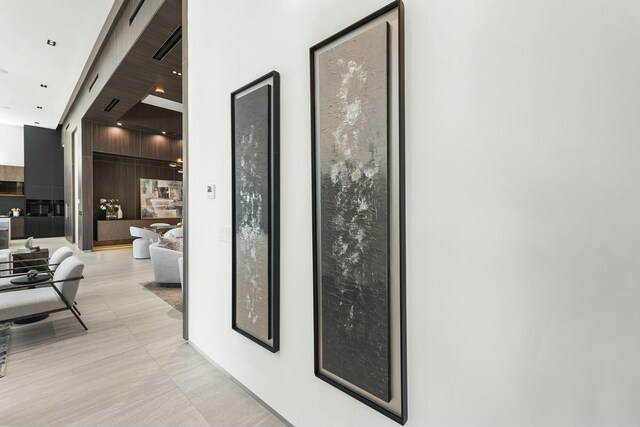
x: 132, y: 368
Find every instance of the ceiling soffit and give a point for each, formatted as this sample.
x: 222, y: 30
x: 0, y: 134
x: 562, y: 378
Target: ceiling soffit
x: 140, y: 74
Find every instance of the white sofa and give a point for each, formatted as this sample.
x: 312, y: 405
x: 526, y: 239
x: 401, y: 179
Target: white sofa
x: 165, y: 264
x: 5, y: 257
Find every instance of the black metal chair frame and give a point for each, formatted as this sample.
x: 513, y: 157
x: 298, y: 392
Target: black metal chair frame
x: 13, y: 287
x: 22, y: 267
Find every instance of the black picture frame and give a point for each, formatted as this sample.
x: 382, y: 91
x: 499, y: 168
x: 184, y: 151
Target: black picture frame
x: 396, y: 84
x: 272, y: 81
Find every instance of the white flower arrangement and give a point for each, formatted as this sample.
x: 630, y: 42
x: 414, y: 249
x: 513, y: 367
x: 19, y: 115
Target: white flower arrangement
x: 111, y: 206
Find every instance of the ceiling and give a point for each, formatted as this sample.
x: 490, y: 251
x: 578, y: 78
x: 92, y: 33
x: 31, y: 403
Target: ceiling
x: 140, y: 74
x: 25, y: 27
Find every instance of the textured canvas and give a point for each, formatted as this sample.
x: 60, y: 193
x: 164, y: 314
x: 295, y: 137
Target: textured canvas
x: 354, y: 211
x: 252, y: 133
x: 160, y: 198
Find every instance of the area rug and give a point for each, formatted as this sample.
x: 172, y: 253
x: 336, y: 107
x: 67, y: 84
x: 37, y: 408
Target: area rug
x: 5, y: 334
x: 172, y: 296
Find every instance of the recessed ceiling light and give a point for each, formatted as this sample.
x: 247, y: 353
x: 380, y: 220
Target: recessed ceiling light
x: 179, y: 74
x: 51, y: 42
x: 39, y: 107
x: 180, y: 171
x: 159, y: 90
x: 174, y: 72
x: 164, y: 132
x: 119, y: 124
x: 43, y: 85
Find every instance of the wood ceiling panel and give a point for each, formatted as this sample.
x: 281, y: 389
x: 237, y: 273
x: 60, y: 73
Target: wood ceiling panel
x: 140, y: 74
x: 151, y: 119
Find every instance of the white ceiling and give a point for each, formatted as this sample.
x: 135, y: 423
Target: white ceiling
x: 25, y: 27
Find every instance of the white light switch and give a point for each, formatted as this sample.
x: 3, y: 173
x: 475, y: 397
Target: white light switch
x: 211, y: 191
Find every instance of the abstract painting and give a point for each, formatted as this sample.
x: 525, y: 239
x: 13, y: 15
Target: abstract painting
x: 160, y: 198
x: 255, y: 253
x: 353, y: 210
x: 356, y: 142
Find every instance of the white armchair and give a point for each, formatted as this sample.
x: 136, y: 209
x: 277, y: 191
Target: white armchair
x: 165, y: 264
x: 141, y: 244
x: 58, y: 257
x: 58, y: 293
x: 175, y: 232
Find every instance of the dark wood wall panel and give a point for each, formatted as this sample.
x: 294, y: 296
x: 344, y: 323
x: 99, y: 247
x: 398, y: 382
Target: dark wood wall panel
x: 85, y: 213
x: 115, y: 140
x: 118, y: 177
x: 113, y: 178
x: 156, y: 147
x: 122, y: 141
x: 114, y: 159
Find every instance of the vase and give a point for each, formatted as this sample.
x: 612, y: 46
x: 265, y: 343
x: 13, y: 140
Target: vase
x: 16, y: 213
x: 112, y: 215
x: 119, y: 214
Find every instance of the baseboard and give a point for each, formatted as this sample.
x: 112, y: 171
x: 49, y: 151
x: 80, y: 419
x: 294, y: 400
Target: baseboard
x: 242, y: 386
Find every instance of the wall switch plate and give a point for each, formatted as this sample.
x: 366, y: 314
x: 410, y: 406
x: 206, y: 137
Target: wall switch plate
x: 211, y: 191
x: 224, y: 233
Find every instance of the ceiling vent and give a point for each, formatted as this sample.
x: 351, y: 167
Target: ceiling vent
x: 135, y: 12
x: 94, y: 82
x: 173, y: 40
x: 112, y: 104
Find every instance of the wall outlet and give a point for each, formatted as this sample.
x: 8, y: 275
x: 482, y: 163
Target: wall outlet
x: 224, y: 233
x: 211, y: 191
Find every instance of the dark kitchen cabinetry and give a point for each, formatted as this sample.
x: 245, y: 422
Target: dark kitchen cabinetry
x: 45, y: 226
x: 38, y: 227
x: 57, y: 226
x: 43, y: 182
x: 17, y: 227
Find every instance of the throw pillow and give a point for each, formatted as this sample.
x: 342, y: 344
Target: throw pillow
x: 170, y: 243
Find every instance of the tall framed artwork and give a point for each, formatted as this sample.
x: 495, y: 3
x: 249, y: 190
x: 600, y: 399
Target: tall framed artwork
x: 160, y: 198
x: 255, y: 142
x: 357, y: 132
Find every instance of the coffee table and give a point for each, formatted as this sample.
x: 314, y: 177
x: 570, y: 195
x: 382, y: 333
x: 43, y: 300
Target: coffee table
x: 32, y: 260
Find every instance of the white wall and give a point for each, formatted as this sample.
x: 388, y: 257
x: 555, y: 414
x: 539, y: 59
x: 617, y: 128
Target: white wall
x: 11, y: 145
x: 523, y: 151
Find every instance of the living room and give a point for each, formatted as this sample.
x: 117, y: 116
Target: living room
x: 92, y: 211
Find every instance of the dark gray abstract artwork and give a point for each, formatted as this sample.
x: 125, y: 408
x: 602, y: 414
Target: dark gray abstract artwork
x: 252, y: 133
x: 354, y: 211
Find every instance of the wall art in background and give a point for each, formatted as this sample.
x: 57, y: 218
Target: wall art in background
x: 160, y: 198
